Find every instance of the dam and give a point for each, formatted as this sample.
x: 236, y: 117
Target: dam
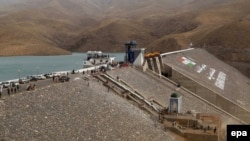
x: 189, y: 93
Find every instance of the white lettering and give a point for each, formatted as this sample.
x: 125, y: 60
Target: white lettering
x: 201, y: 68
x: 233, y: 133
x: 238, y: 133
x: 244, y: 133
x: 211, y: 73
x: 220, y: 81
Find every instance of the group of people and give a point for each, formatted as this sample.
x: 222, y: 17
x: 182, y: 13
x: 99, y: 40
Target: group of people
x: 31, y: 87
x: 13, y: 88
x: 55, y: 78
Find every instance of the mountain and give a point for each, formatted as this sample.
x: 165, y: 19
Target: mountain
x: 145, y: 21
x: 40, y: 28
x: 47, y: 27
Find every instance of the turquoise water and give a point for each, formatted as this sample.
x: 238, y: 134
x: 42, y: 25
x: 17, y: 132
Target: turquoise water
x: 12, y: 67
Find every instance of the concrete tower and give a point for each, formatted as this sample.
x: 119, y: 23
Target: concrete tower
x: 134, y: 55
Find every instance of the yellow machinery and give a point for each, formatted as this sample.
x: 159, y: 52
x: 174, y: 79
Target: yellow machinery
x: 153, y: 54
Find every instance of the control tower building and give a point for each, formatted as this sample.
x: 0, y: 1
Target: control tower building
x: 134, y: 55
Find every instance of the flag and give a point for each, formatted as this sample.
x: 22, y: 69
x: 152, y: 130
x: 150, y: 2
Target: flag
x: 187, y: 61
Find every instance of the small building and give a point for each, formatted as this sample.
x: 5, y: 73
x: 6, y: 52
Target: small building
x: 175, y: 102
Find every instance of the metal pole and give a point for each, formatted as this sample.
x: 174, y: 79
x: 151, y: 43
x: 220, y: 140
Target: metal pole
x: 54, y: 68
x: 37, y: 70
x: 18, y: 73
x: 76, y: 66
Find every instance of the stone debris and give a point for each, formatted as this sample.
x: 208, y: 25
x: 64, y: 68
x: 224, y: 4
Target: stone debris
x: 74, y: 111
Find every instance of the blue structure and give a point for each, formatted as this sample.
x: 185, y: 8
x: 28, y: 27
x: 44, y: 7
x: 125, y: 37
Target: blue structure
x: 130, y: 53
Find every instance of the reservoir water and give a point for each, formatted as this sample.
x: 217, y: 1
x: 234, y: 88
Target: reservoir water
x: 22, y: 66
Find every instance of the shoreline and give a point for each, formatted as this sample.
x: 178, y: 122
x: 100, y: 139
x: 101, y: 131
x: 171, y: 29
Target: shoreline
x: 44, y: 55
x: 47, y: 81
x: 64, y: 72
x: 33, y: 65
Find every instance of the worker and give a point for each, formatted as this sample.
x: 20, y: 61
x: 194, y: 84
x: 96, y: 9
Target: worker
x: 1, y: 90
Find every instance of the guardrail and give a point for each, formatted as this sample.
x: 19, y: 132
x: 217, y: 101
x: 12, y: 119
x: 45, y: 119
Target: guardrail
x: 178, y: 51
x: 137, y: 96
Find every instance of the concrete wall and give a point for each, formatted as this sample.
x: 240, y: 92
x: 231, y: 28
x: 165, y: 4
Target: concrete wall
x: 194, y: 136
x: 157, y: 66
x: 150, y: 64
x: 210, y: 96
x: 139, y: 58
x: 154, y: 64
x: 183, y: 122
x: 166, y: 71
x: 201, y: 137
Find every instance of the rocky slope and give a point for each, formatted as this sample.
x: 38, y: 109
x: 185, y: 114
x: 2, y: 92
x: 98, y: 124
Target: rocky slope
x: 75, y: 111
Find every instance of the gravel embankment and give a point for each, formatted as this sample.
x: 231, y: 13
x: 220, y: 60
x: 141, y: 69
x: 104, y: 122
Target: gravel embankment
x: 74, y: 111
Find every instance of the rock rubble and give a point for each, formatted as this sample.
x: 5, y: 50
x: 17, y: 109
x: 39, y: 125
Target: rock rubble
x: 75, y: 111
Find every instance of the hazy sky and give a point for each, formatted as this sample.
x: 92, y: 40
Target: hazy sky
x: 8, y: 2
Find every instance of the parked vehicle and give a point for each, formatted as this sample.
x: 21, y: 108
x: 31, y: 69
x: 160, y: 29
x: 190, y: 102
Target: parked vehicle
x: 40, y: 77
x: 24, y: 80
x: 48, y: 75
x: 64, y: 79
x: 55, y: 74
x: 14, y: 83
x: 6, y: 84
x: 33, y: 79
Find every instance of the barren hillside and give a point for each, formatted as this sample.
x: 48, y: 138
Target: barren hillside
x: 80, y: 25
x: 44, y: 27
x: 222, y: 29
